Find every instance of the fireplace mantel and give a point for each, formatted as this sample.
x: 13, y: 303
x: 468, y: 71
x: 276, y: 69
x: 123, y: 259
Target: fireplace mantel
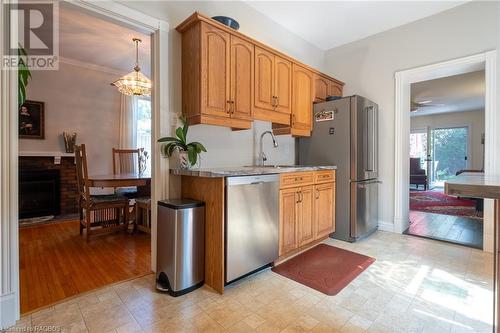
x: 56, y: 154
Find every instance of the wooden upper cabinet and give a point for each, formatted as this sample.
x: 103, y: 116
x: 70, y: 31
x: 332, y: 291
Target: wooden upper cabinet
x: 283, y: 84
x: 273, y: 83
x: 324, y: 87
x: 215, y: 64
x: 264, y: 74
x: 324, y: 209
x: 229, y: 79
x: 242, y: 77
x: 288, y: 215
x: 306, y: 226
x: 335, y: 89
x: 302, y: 94
x: 321, y: 88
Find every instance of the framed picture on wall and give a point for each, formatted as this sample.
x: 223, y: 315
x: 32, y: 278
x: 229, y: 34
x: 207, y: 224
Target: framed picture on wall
x: 32, y: 120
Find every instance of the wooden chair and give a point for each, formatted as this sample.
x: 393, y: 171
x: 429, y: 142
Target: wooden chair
x: 98, y: 213
x: 126, y: 161
x: 143, y: 215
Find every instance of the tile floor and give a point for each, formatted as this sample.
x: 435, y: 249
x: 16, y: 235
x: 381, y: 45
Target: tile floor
x: 416, y: 285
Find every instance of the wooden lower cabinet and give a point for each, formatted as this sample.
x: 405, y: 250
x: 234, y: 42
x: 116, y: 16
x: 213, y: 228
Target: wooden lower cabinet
x: 307, y: 211
x: 306, y: 227
x: 324, y: 208
x: 288, y: 220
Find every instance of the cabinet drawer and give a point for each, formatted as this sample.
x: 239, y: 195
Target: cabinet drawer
x: 324, y: 176
x: 296, y: 179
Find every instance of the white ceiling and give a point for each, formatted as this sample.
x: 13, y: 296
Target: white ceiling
x: 328, y: 24
x: 91, y: 39
x: 458, y: 93
x: 325, y: 24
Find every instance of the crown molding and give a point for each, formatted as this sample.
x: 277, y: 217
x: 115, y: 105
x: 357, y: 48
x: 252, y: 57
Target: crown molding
x: 94, y: 67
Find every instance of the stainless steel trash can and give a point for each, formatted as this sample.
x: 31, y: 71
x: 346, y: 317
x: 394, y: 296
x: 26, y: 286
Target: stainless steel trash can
x: 180, y: 246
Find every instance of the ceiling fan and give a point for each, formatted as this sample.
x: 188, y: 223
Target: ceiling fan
x: 414, y: 106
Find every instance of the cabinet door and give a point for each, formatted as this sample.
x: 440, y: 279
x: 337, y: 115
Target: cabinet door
x: 302, y: 95
x: 334, y: 89
x: 241, y: 78
x: 305, y: 219
x: 283, y: 84
x: 321, y: 88
x: 264, y: 76
x: 324, y: 209
x: 288, y: 220
x: 215, y: 61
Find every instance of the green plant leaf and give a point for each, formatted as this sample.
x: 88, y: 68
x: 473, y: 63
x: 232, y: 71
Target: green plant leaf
x: 24, y: 74
x: 192, y: 155
x: 168, y: 139
x: 180, y: 134
x: 185, y: 128
x: 199, y: 146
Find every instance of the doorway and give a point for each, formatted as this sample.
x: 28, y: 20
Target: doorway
x: 404, y: 79
x: 447, y: 125
x: 158, y: 30
x: 57, y: 259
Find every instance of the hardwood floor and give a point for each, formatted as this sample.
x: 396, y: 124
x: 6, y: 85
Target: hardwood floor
x: 56, y: 262
x: 455, y: 229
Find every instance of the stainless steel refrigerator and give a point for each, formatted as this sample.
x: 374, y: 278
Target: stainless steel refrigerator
x: 345, y: 134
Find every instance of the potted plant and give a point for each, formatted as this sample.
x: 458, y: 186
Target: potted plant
x: 188, y: 152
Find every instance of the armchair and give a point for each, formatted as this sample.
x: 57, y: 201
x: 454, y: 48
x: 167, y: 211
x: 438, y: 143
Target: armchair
x: 417, y: 174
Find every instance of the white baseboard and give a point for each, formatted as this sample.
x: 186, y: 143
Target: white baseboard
x: 385, y: 226
x: 7, y: 310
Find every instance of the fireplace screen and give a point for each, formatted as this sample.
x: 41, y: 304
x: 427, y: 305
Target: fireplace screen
x: 39, y: 193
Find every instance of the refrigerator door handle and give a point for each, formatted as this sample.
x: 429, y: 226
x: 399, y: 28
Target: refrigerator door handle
x: 370, y: 139
x: 366, y: 184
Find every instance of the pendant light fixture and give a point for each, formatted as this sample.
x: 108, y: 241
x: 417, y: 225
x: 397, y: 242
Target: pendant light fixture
x: 134, y: 83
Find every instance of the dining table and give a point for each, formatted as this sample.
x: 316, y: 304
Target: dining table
x: 141, y: 180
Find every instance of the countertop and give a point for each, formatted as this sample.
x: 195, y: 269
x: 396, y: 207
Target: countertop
x: 476, y: 185
x: 247, y: 171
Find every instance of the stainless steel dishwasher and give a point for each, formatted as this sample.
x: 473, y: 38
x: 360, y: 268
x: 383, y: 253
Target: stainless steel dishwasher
x: 252, y: 223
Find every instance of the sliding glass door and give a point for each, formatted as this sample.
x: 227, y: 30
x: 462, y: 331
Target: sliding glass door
x: 449, y: 152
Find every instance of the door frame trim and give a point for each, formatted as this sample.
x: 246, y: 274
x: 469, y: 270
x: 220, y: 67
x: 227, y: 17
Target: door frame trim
x: 404, y: 79
x: 9, y: 234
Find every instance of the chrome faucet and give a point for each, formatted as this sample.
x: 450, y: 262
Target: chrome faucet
x: 263, y: 157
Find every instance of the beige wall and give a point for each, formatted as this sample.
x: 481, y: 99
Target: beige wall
x: 226, y: 147
x: 77, y: 100
x: 368, y: 67
x: 472, y: 119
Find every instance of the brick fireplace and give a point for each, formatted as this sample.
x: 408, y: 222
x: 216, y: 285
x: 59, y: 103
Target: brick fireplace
x: 68, y: 195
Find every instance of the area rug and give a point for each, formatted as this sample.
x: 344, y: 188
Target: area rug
x: 325, y: 268
x: 439, y: 203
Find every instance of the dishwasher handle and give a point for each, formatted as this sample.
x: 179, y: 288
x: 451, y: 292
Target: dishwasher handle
x: 252, y: 180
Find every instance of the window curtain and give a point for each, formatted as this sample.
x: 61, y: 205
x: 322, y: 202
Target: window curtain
x: 128, y: 121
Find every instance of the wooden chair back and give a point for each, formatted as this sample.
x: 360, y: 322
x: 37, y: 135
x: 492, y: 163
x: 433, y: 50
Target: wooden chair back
x: 126, y: 160
x: 82, y: 173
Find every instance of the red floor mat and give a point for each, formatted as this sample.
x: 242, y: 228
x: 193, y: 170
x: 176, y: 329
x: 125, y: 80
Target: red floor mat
x: 325, y: 268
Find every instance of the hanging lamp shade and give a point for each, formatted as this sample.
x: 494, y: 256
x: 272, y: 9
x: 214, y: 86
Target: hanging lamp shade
x: 134, y: 83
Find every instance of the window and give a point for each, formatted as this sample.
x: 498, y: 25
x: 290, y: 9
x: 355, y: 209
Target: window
x: 418, y: 147
x: 144, y: 128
